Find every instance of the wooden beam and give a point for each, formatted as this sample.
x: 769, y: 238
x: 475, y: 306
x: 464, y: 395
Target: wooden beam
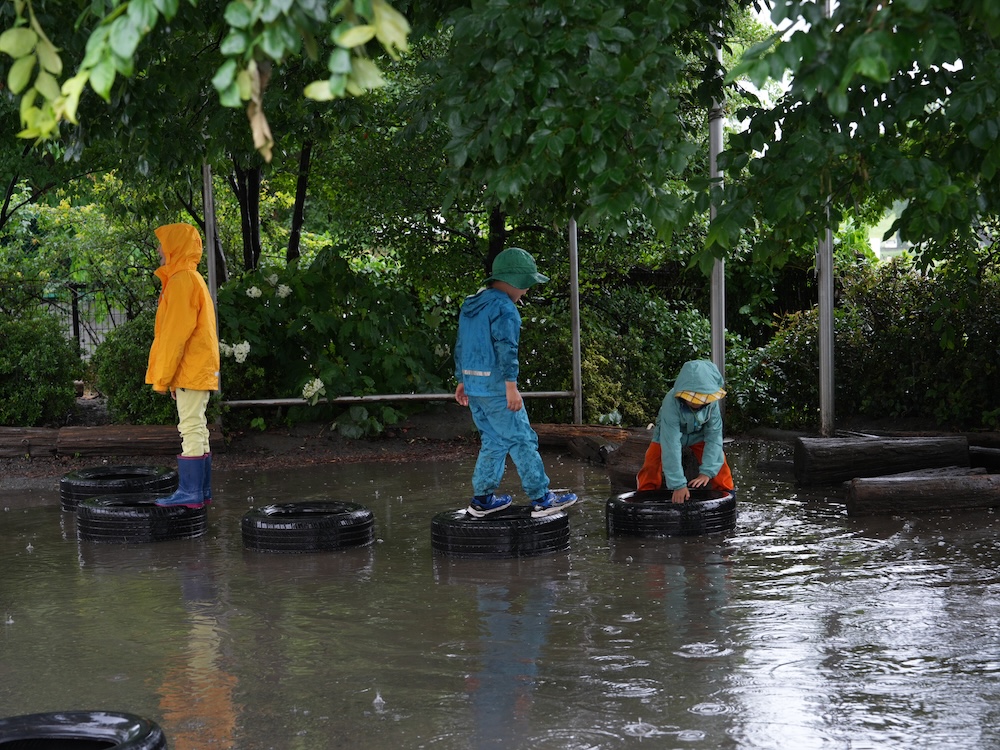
x: 903, y: 495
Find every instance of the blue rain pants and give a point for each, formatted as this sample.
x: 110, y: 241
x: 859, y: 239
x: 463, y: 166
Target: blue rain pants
x: 503, y: 432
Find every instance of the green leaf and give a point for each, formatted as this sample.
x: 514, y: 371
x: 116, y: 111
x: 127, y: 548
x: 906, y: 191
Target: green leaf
x: 366, y: 75
x: 20, y: 74
x: 235, y: 43
x: 18, y: 42
x: 168, y: 8
x: 230, y: 96
x: 339, y: 61
x: 125, y: 36
x: 238, y: 15
x: 145, y: 14
x: 225, y: 75
x: 349, y: 36
x: 47, y: 85
x: 48, y: 57
x: 273, y: 42
x: 102, y: 77
x: 319, y: 91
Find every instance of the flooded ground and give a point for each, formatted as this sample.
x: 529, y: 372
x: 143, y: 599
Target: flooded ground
x: 801, y: 629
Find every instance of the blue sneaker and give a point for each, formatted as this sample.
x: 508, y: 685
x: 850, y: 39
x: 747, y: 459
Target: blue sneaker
x: 483, y: 505
x: 551, y: 503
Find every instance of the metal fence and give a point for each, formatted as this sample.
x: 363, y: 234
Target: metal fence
x: 84, y: 320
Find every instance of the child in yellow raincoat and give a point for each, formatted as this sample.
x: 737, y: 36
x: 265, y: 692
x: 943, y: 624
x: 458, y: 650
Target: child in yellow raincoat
x: 184, y: 358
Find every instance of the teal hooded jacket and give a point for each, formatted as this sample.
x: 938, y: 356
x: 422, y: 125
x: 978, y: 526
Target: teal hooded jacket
x: 679, y: 426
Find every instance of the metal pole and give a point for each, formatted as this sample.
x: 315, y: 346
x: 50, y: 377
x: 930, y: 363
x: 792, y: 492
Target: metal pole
x: 574, y: 306
x: 718, y: 284
x: 208, y: 202
x: 208, y: 205
x: 824, y: 271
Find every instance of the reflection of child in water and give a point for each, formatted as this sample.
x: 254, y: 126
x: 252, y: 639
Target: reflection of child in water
x: 689, y: 420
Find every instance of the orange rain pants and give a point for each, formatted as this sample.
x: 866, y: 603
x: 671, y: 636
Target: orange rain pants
x: 650, y: 476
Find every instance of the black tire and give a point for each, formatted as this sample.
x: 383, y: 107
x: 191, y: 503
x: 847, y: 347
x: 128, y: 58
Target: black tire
x: 650, y: 513
x: 114, y: 480
x: 507, y: 533
x: 315, y: 526
x: 80, y: 730
x: 133, y: 519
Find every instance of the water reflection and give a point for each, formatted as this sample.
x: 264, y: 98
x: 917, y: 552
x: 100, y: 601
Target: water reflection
x: 801, y: 628
x: 197, y: 692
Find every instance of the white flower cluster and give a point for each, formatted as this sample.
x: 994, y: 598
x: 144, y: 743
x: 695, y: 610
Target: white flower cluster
x: 312, y: 388
x: 283, y: 290
x: 253, y: 292
x: 238, y: 351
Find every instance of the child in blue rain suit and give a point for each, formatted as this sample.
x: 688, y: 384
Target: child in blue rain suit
x: 689, y: 418
x: 486, y: 367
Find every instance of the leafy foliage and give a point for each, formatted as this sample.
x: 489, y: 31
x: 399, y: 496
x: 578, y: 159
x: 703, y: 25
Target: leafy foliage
x: 893, y: 359
x: 255, y: 36
x: 120, y: 364
x: 357, y: 332
x: 37, y: 369
x: 888, y: 102
x: 588, y: 108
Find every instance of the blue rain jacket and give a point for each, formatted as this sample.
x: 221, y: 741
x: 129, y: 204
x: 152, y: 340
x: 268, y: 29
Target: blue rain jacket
x: 489, y: 330
x: 679, y: 426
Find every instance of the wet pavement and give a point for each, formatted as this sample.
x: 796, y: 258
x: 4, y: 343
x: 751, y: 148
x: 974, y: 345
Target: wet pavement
x: 801, y: 628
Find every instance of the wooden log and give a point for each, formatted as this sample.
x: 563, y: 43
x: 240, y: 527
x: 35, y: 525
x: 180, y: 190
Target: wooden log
x: 988, y: 458
x: 944, y: 471
x: 127, y: 440
x: 625, y: 462
x: 820, y: 461
x: 901, y: 495
x: 27, y: 441
x: 593, y: 449
x: 560, y: 434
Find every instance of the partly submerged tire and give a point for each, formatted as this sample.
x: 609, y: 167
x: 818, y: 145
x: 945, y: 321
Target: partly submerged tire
x: 114, y: 480
x: 81, y: 730
x: 507, y: 533
x: 315, y: 526
x: 128, y: 519
x: 650, y: 513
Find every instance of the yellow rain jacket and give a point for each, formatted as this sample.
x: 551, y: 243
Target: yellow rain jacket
x: 185, y: 351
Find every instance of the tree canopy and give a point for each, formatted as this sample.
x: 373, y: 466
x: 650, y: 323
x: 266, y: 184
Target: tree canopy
x: 248, y: 37
x: 885, y: 102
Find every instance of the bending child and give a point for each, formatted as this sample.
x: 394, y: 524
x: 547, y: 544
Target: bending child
x: 486, y: 367
x: 689, y: 418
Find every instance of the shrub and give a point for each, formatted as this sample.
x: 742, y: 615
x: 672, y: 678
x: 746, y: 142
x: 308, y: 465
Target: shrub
x: 120, y: 363
x: 37, y: 368
x: 329, y: 330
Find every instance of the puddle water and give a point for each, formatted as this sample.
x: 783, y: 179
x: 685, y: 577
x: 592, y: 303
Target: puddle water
x: 802, y: 628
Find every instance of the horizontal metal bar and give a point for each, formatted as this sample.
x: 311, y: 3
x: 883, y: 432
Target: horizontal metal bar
x: 379, y: 397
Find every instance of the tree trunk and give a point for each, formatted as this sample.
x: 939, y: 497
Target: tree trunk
x: 497, y: 238
x: 245, y: 184
x: 305, y: 156
x: 821, y: 461
x: 886, y: 495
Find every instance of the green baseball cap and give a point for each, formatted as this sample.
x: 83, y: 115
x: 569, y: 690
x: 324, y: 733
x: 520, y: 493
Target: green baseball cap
x: 517, y: 268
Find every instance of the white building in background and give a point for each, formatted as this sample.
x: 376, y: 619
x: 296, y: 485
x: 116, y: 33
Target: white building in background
x: 893, y: 245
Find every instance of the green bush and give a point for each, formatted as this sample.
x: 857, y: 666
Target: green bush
x: 120, y: 363
x: 37, y: 368
x: 906, y: 345
x: 330, y: 330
